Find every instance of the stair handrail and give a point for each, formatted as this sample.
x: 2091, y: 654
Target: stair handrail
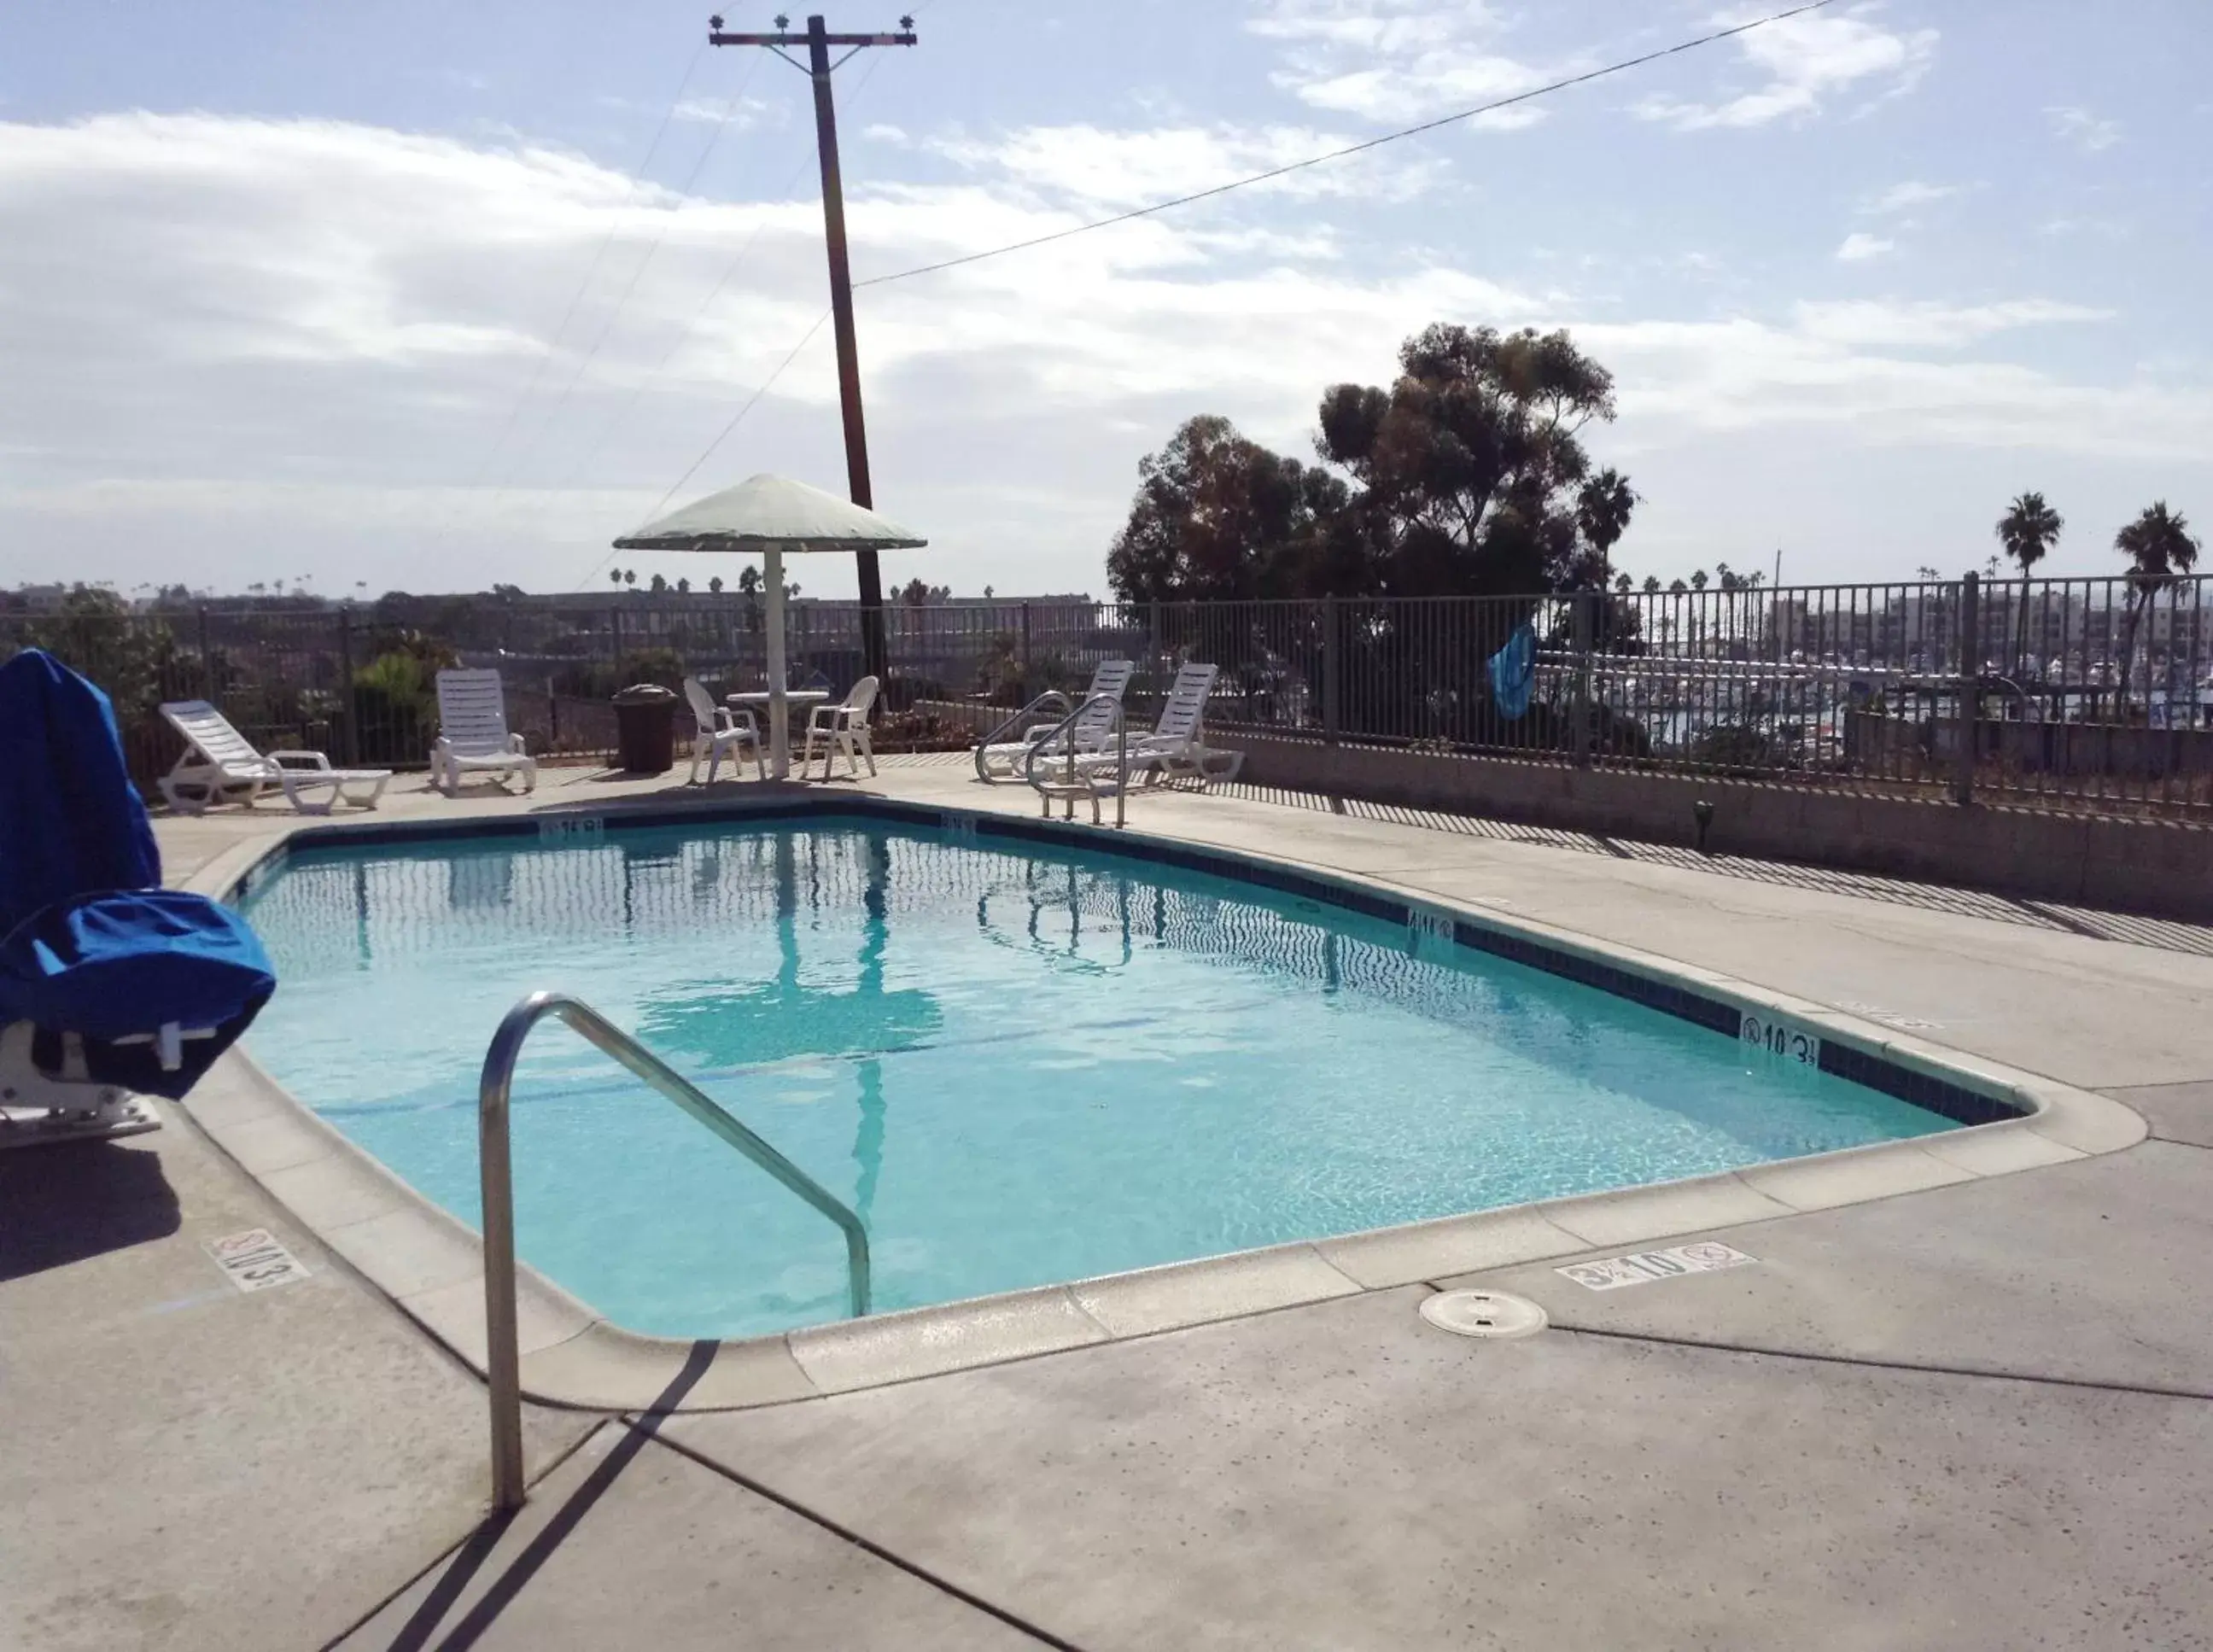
x: 502, y: 1360
x: 1033, y: 709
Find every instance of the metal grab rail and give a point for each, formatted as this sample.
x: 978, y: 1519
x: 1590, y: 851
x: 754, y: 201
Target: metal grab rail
x: 502, y: 1362
x: 1070, y: 786
x: 992, y: 739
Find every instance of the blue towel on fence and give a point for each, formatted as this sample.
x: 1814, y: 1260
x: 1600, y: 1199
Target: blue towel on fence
x: 1513, y: 671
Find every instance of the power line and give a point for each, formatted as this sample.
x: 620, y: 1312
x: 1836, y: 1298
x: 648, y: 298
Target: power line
x: 576, y: 297
x: 729, y: 270
x: 707, y: 452
x: 1627, y: 64
x: 636, y: 274
x: 759, y: 390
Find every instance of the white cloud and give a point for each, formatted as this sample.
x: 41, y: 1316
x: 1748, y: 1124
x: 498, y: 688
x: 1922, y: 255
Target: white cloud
x: 1903, y: 198
x: 2079, y: 127
x: 1802, y: 62
x: 883, y: 131
x: 1892, y: 323
x: 1858, y: 248
x: 738, y: 112
x: 1398, y: 60
x: 1098, y: 169
x: 1744, y: 374
x: 229, y: 340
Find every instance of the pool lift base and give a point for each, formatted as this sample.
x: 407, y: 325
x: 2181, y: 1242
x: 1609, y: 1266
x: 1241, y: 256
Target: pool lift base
x: 39, y: 1108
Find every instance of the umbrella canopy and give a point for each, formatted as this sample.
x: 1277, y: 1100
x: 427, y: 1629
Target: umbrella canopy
x: 773, y: 514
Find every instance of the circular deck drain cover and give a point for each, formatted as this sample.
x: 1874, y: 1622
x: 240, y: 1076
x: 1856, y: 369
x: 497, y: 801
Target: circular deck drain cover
x: 1483, y: 1313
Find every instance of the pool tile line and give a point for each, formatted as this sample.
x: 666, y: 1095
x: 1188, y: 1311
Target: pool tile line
x: 429, y: 1264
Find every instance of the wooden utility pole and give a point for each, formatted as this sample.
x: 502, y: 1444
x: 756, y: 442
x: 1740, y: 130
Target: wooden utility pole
x: 818, y: 41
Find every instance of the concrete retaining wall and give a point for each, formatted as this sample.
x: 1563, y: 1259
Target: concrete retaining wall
x: 2143, y: 866
x: 2128, y: 865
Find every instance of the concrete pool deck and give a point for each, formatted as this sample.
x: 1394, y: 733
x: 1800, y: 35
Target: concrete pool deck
x: 1975, y: 1415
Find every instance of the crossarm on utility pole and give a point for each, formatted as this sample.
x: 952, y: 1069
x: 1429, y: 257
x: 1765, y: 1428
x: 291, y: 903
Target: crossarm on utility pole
x: 719, y: 38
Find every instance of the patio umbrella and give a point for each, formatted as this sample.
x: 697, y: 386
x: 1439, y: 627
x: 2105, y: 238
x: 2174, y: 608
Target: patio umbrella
x: 773, y: 515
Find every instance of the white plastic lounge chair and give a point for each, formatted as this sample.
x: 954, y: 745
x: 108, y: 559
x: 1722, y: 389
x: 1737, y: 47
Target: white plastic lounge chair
x: 1093, y: 730
x: 842, y: 728
x: 721, y: 729
x: 1177, y: 746
x: 473, y: 733
x: 220, y: 765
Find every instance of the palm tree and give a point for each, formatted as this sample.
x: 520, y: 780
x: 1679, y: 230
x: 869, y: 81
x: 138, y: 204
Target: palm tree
x: 1651, y: 584
x: 2028, y: 530
x: 2160, y: 551
x: 1602, y: 512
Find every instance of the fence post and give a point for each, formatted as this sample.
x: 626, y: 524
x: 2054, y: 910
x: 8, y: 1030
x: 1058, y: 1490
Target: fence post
x: 1025, y: 642
x: 1970, y: 695
x: 207, y: 663
x: 614, y: 643
x: 1579, y: 720
x: 349, y: 735
x: 1332, y: 705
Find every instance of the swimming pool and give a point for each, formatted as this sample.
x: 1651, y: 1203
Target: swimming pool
x: 1021, y: 1062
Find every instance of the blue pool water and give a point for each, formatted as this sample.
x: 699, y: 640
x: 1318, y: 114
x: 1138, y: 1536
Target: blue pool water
x: 1022, y: 1065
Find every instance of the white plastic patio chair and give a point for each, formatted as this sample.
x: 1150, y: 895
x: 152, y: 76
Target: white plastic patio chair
x: 220, y: 765
x: 842, y: 728
x: 1093, y: 730
x: 721, y: 729
x: 473, y: 734
x: 1177, y: 746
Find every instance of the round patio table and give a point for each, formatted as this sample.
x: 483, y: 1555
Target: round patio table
x: 797, y: 702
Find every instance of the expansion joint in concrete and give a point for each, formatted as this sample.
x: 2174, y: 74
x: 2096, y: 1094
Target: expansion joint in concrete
x: 869, y: 1547
x: 1917, y: 1367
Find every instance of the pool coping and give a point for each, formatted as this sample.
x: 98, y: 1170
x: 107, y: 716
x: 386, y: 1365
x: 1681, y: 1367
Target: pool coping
x: 430, y: 1264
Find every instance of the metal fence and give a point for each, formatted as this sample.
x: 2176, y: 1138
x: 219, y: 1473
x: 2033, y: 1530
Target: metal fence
x: 2090, y: 692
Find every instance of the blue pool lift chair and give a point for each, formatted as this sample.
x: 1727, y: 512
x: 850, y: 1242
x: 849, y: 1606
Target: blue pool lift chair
x: 112, y: 988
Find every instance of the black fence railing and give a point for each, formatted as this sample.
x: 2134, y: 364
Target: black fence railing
x: 2085, y: 693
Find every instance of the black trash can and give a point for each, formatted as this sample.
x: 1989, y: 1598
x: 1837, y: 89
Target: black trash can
x: 645, y: 729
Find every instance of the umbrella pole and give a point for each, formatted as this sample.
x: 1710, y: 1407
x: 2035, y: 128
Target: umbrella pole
x: 779, y: 722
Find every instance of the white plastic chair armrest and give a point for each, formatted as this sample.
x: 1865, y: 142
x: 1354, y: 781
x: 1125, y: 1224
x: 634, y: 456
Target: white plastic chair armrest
x: 515, y: 744
x: 313, y: 759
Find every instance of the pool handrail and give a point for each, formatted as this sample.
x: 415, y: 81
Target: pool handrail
x: 1033, y: 709
x: 1068, y: 787
x: 502, y: 1360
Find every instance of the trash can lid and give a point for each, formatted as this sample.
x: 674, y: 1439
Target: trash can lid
x: 644, y: 694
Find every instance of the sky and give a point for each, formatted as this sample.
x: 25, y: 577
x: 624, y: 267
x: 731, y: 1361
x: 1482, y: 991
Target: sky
x: 427, y: 296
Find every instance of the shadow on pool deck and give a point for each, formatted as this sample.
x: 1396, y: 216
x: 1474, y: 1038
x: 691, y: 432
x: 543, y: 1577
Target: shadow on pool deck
x: 450, y: 1582
x: 66, y: 1202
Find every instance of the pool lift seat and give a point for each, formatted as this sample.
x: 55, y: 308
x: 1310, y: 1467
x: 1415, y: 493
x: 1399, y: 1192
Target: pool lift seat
x: 112, y: 988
